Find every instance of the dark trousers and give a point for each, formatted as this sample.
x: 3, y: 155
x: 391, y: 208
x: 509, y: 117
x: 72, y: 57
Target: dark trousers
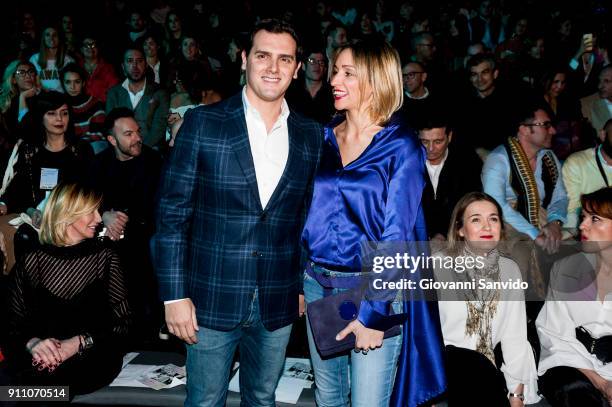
x: 567, y: 387
x: 473, y: 380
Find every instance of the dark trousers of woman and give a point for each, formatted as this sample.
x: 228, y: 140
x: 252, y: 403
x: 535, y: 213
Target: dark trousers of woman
x: 568, y: 387
x: 473, y: 380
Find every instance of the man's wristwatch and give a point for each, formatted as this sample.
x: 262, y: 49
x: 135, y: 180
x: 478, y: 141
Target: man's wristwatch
x: 519, y: 396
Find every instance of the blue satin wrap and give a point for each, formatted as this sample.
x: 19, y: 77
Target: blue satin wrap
x: 377, y: 198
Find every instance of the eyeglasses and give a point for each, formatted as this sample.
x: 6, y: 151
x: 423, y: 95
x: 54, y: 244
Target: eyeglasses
x: 90, y: 45
x: 547, y: 125
x: 320, y: 62
x: 411, y: 75
x: 427, y: 45
x: 23, y: 72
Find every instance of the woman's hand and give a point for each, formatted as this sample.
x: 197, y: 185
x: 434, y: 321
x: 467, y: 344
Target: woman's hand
x: 45, y: 353
x: 365, y: 338
x: 516, y: 402
x: 69, y: 347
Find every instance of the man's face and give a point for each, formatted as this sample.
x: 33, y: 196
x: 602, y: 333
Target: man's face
x: 134, y: 65
x: 538, y: 132
x: 315, y: 67
x: 426, y: 48
x: 270, y: 66
x: 126, y: 138
x: 483, y: 77
x: 73, y: 83
x: 605, y: 84
x: 436, y: 143
x: 413, y: 78
x: 136, y: 22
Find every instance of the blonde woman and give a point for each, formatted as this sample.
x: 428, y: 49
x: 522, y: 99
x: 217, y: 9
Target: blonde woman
x: 368, y: 189
x: 68, y: 313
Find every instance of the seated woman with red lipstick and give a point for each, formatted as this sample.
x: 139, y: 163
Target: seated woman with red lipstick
x: 68, y: 313
x: 575, y: 324
x: 477, y: 316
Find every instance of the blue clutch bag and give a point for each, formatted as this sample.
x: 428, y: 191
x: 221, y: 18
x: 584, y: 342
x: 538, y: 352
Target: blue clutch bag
x: 330, y: 315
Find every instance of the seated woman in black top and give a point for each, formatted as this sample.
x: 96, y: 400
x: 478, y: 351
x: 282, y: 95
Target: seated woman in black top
x: 48, y: 154
x: 68, y: 315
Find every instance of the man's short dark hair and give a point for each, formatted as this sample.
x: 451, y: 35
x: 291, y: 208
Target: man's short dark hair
x: 434, y: 121
x: 525, y: 113
x: 479, y: 59
x: 418, y: 37
x: 74, y: 68
x: 420, y: 65
x: 114, y: 115
x: 132, y: 47
x: 274, y: 26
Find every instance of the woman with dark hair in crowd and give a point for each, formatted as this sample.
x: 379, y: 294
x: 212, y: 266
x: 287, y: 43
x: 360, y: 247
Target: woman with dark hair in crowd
x: 173, y: 29
x: 50, y: 153
x: 101, y: 74
x: 368, y: 189
x: 188, y: 63
x: 50, y: 59
x: 87, y: 112
x: 68, y: 314
x: 566, y: 109
x: 575, y: 324
x: 156, y: 62
x: 475, y: 321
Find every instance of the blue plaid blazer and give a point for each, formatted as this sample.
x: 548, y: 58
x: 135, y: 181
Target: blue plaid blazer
x: 214, y: 242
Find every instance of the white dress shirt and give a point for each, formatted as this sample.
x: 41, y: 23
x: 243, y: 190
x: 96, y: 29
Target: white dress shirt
x: 558, y: 319
x: 509, y: 326
x: 134, y: 97
x: 435, y: 170
x: 270, y: 151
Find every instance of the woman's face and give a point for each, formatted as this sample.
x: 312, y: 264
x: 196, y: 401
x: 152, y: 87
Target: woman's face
x: 25, y: 77
x: 366, y: 24
x: 190, y: 49
x: 67, y: 24
x: 537, y: 49
x: 558, y: 85
x: 51, y: 39
x: 595, y: 232
x: 521, y: 27
x: 481, y: 226
x: 174, y: 23
x: 55, y: 121
x: 84, y: 227
x: 345, y: 84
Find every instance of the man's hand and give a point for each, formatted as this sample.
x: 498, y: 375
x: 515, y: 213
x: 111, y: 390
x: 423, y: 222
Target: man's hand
x: 181, y: 320
x: 3, y: 210
x: 552, y: 236
x: 301, y: 306
x: 365, y: 338
x: 438, y: 238
x: 115, y: 222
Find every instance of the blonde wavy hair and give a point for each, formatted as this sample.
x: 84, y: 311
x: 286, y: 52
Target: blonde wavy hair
x: 66, y: 204
x: 9, y: 87
x: 378, y: 65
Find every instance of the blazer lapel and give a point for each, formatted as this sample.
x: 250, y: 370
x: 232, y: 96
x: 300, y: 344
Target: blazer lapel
x: 239, y: 140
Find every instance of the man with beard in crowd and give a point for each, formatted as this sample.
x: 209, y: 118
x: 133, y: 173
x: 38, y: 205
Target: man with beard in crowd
x: 149, y: 103
x: 127, y: 175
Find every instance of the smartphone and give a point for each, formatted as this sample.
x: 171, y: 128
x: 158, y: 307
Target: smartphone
x: 587, y: 40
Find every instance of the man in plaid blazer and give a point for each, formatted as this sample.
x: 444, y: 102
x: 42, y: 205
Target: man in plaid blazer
x: 232, y: 203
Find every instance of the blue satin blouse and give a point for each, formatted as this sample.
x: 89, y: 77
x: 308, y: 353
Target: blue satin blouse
x: 376, y: 198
